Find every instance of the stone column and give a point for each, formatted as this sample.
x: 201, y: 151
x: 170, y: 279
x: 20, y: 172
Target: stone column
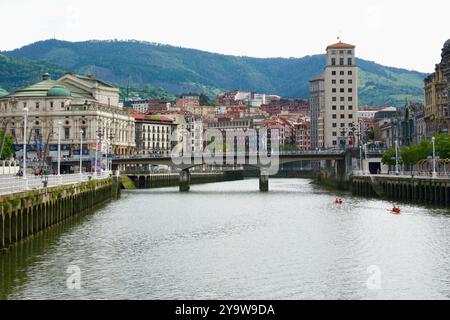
x: 185, y: 180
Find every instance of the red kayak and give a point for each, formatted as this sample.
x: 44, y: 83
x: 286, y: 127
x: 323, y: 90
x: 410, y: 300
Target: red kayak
x: 395, y: 211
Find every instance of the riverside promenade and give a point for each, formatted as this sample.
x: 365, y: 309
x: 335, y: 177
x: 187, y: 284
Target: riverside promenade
x: 412, y: 188
x: 29, y: 206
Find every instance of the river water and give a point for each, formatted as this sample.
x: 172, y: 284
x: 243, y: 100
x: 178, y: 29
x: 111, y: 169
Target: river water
x: 229, y: 241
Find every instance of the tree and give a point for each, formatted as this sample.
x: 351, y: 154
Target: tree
x: 8, y: 149
x: 204, y: 100
x: 389, y: 157
x: 289, y: 147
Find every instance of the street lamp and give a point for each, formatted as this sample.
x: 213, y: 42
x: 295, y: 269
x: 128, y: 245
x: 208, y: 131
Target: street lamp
x: 25, y: 146
x: 396, y: 158
x: 59, y: 148
x: 81, y: 151
x: 99, y: 137
x: 433, y: 140
x: 109, y: 145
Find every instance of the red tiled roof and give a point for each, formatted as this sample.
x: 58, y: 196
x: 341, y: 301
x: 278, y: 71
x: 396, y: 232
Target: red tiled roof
x: 340, y: 45
x: 318, y: 78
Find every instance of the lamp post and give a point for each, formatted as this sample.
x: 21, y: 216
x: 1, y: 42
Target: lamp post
x: 106, y: 159
x: 59, y: 148
x: 25, y: 120
x: 365, y: 156
x: 110, y: 139
x: 396, y: 158
x: 81, y: 151
x: 433, y: 140
x: 99, y: 137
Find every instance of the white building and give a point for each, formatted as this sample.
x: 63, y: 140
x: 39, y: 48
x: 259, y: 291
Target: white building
x: 341, y: 96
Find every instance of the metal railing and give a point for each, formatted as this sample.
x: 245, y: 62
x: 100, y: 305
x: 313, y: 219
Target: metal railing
x: 333, y: 151
x: 12, y: 184
x: 405, y: 174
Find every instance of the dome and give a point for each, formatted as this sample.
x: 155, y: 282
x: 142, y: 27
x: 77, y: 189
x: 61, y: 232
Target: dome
x: 447, y: 44
x: 58, y: 91
x: 3, y: 92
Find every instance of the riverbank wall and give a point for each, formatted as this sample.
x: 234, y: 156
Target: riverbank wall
x: 151, y: 180
x: 420, y: 190
x: 24, y: 214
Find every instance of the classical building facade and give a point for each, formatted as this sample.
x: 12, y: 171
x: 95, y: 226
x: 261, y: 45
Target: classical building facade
x: 153, y: 134
x: 317, y: 107
x: 437, y: 88
x: 341, y: 96
x: 73, y: 105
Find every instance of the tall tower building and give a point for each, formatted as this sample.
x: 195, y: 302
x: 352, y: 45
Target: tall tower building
x: 317, y: 107
x: 341, y: 96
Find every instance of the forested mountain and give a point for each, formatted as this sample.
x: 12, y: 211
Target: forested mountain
x: 180, y: 70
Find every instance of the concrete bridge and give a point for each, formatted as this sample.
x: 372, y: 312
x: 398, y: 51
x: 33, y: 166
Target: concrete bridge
x: 267, y: 164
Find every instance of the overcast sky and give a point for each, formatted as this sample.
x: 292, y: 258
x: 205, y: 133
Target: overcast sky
x: 407, y: 34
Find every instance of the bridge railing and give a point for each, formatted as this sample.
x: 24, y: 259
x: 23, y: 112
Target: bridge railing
x: 334, y: 151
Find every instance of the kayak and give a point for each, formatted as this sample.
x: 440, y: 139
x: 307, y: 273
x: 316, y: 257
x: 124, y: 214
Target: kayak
x: 393, y: 211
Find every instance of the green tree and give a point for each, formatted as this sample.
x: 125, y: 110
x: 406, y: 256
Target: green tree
x: 205, y: 101
x: 289, y: 147
x: 389, y: 157
x: 8, y: 149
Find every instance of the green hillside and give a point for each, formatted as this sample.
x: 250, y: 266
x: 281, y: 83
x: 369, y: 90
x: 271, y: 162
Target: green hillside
x: 179, y: 70
x: 17, y: 73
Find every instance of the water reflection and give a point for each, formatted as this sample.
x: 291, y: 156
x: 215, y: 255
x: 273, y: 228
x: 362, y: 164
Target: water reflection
x: 229, y: 241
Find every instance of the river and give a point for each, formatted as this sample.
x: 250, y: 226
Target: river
x: 229, y: 241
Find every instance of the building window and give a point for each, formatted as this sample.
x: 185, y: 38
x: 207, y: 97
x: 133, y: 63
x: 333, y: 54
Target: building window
x: 341, y: 90
x: 334, y: 142
x: 342, y: 98
x: 51, y: 104
x: 350, y: 81
x: 342, y: 116
x: 333, y: 61
x: 333, y: 107
x: 37, y: 105
x: 333, y: 81
x: 333, y: 116
x: 334, y: 134
x: 350, y: 73
x: 350, y: 99
x: 333, y: 99
x: 62, y: 104
x: 334, y: 125
x: 66, y: 133
x: 349, y: 51
x: 349, y: 61
x: 341, y: 61
x: 333, y: 90
x: 350, y: 90
x: 350, y: 116
x: 333, y: 73
x: 342, y: 125
x: 341, y: 73
x: 341, y: 81
x: 24, y: 105
x: 350, y: 107
x: 342, y: 107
